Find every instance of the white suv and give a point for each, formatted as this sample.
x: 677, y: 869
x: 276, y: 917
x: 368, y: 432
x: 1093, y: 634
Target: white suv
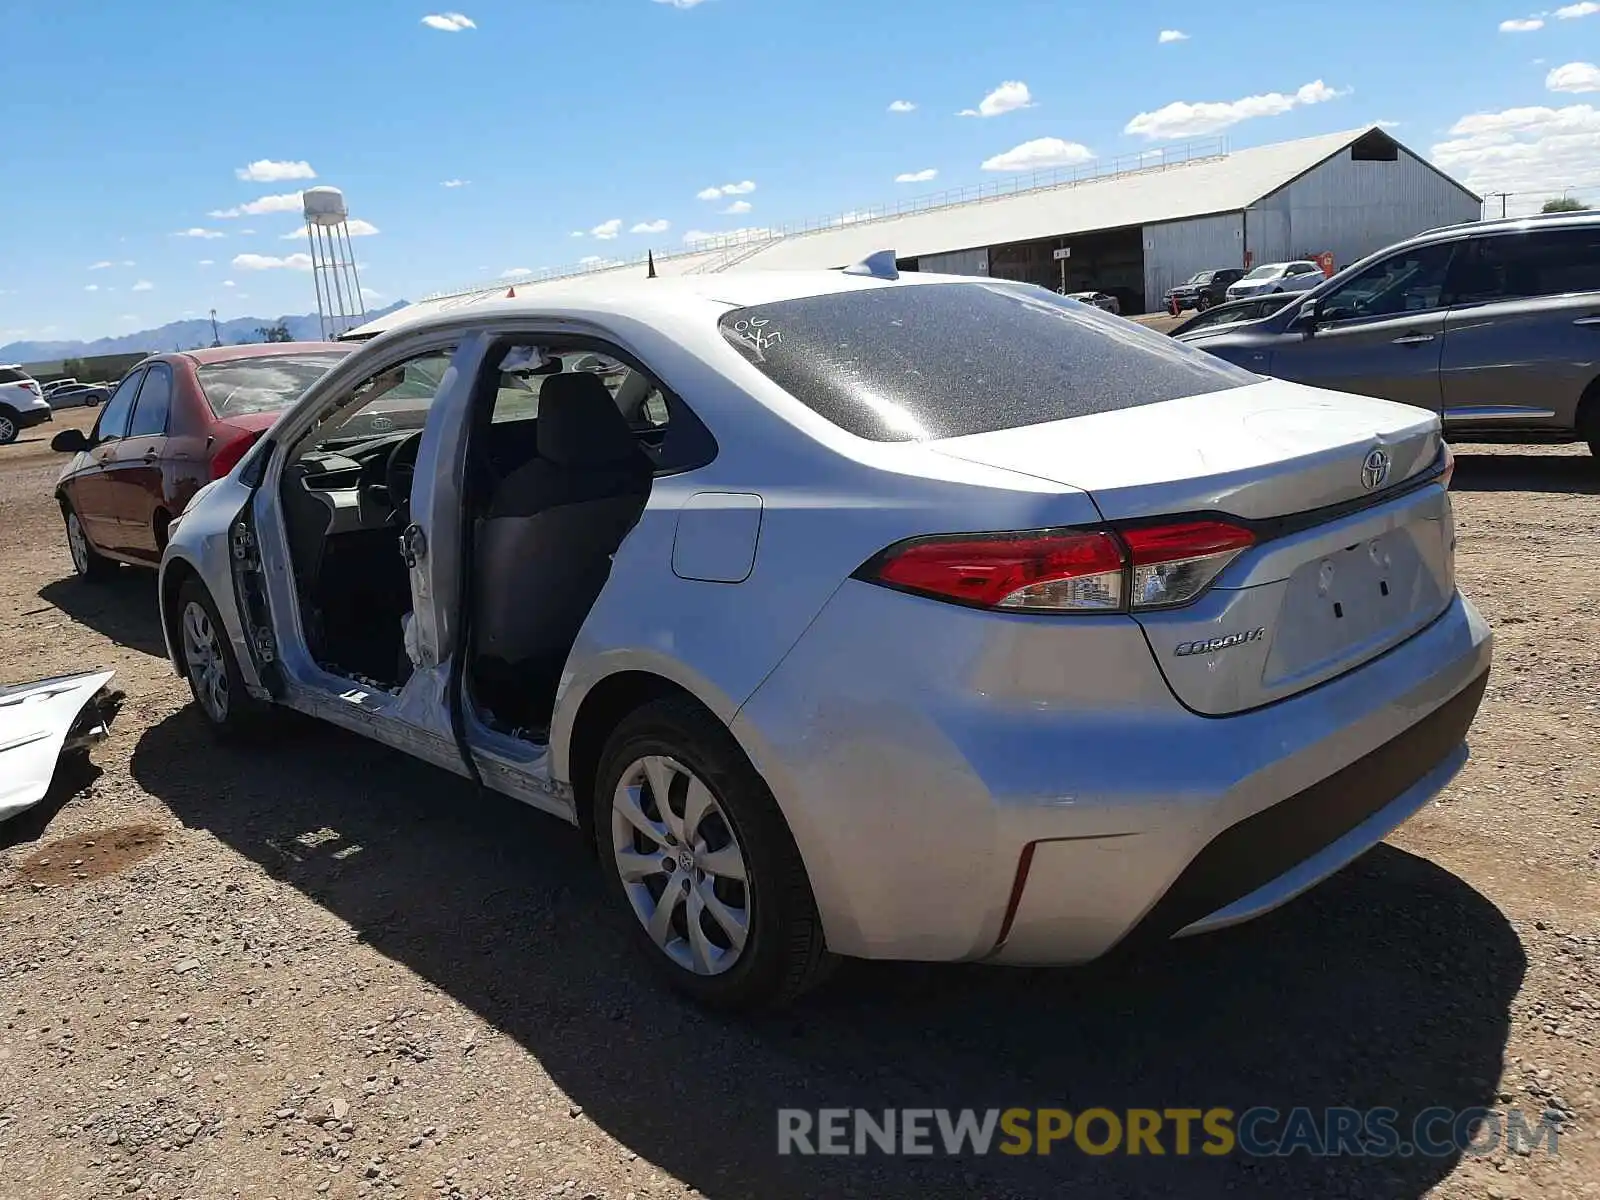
x: 22, y: 404
x: 1299, y: 276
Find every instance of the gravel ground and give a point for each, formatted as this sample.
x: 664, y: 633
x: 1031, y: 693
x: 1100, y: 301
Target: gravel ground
x: 316, y: 968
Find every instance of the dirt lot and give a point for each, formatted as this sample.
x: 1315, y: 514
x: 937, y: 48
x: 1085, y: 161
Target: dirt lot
x: 319, y: 969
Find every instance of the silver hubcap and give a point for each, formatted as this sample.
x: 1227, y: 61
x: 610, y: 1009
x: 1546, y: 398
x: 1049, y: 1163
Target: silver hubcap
x: 208, y: 673
x: 681, y: 865
x: 8, y: 429
x: 78, y: 544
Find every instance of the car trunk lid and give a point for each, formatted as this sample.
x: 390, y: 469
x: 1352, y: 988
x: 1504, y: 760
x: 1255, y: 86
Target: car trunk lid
x: 1349, y: 560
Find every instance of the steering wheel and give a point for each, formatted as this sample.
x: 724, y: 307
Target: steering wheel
x: 400, y: 471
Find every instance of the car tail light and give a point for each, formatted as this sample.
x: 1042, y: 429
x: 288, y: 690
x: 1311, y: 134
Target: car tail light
x: 227, y: 455
x: 32, y: 385
x: 1049, y: 571
x: 1173, y: 564
x: 1449, y: 471
x: 1064, y: 571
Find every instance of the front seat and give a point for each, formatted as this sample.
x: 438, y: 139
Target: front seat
x: 545, y: 543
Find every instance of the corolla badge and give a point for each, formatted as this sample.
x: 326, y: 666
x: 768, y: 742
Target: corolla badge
x: 1375, y: 470
x: 1226, y: 642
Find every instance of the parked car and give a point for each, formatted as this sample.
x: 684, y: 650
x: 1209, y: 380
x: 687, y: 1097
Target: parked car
x: 1232, y: 312
x: 22, y: 404
x: 1144, y: 647
x: 1298, y: 276
x: 56, y: 385
x: 1100, y: 300
x: 77, y: 395
x: 1202, y: 289
x: 1494, y: 325
x: 175, y: 423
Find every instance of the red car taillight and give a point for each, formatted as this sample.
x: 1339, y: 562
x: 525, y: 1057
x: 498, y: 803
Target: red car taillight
x: 226, y: 456
x: 1065, y: 571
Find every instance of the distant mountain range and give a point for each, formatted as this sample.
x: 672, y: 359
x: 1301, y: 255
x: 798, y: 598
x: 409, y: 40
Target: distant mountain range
x: 178, y: 335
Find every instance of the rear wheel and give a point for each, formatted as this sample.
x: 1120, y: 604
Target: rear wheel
x: 210, y: 667
x: 89, y: 563
x: 692, y: 844
x: 1203, y: 303
x: 9, y: 428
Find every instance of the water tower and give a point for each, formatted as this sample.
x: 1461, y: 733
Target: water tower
x: 333, y: 261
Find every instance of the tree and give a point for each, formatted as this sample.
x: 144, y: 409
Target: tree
x: 74, y: 368
x: 1564, y: 204
x: 275, y: 333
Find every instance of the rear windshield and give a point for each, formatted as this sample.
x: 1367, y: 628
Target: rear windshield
x: 942, y: 360
x: 266, y: 384
x: 9, y: 375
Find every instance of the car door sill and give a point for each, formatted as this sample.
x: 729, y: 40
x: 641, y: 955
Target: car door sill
x: 1467, y: 414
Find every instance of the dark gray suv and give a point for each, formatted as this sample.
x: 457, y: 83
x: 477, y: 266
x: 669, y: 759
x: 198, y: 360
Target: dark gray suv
x: 1494, y: 324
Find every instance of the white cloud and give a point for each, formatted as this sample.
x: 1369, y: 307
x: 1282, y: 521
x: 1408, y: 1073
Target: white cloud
x: 93, y: 287
x: 681, y: 3
x: 1008, y: 97
x: 268, y: 262
x: 101, y: 266
x: 450, y: 22
x: 516, y: 273
x: 1533, y: 152
x: 1038, y: 154
x: 738, y: 208
x: 199, y: 233
x: 850, y: 218
x: 144, y: 285
x: 902, y: 106
x: 455, y: 183
x: 357, y: 227
x: 660, y: 226
x: 589, y: 260
x: 206, y: 262
x: 727, y: 189
x: 1574, y: 77
x: 1172, y: 35
x: 1573, y: 11
x: 1182, y: 119
x: 577, y: 233
x: 283, y: 202
x: 917, y: 176
x: 1521, y: 25
x: 246, y: 232
x: 266, y: 170
x: 127, y: 317
x: 228, y: 283
x: 607, y: 230
x: 748, y: 233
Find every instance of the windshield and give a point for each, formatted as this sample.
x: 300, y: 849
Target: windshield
x: 1200, y: 277
x: 266, y: 384
x: 1270, y: 271
x: 914, y: 363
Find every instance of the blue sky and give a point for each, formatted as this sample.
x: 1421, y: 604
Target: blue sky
x: 133, y: 124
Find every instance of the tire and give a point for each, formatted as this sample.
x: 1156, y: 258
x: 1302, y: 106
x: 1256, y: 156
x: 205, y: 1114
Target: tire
x: 1203, y: 302
x: 87, y: 562
x: 10, y: 429
x: 736, y: 828
x: 211, y: 669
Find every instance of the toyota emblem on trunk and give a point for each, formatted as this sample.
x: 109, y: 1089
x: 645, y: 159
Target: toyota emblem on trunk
x: 1375, y: 470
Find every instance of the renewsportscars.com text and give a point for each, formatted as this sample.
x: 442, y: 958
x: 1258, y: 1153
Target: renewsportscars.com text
x: 1214, y: 1132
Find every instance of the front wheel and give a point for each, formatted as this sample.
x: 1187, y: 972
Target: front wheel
x: 9, y: 428
x: 694, y: 847
x: 1203, y: 303
x: 87, y: 562
x: 210, y: 667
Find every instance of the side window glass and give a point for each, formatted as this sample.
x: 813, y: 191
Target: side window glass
x: 394, y: 400
x: 113, y: 422
x: 1523, y: 265
x: 155, y: 397
x: 1411, y: 281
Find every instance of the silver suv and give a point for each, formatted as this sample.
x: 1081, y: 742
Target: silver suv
x: 1494, y: 324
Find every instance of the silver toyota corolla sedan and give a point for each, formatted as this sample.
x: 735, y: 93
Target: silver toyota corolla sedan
x: 852, y: 614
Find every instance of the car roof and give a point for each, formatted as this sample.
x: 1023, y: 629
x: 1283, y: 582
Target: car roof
x: 210, y: 355
x: 655, y: 299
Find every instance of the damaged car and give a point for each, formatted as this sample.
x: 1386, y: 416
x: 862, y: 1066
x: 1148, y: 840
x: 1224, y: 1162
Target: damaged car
x: 852, y: 614
x: 44, y: 720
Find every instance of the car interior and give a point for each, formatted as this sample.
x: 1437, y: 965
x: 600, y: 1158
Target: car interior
x: 564, y: 453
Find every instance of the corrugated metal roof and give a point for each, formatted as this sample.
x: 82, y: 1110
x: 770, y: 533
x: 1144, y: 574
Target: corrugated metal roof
x: 1174, y: 192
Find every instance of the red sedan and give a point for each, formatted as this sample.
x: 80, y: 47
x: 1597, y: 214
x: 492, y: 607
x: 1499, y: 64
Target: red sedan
x: 175, y: 423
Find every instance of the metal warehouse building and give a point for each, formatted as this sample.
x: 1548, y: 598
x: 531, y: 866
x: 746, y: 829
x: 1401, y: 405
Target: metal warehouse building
x: 1133, y: 232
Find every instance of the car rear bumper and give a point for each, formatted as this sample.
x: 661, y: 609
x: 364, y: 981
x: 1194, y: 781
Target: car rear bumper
x: 29, y: 417
x: 1009, y: 826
